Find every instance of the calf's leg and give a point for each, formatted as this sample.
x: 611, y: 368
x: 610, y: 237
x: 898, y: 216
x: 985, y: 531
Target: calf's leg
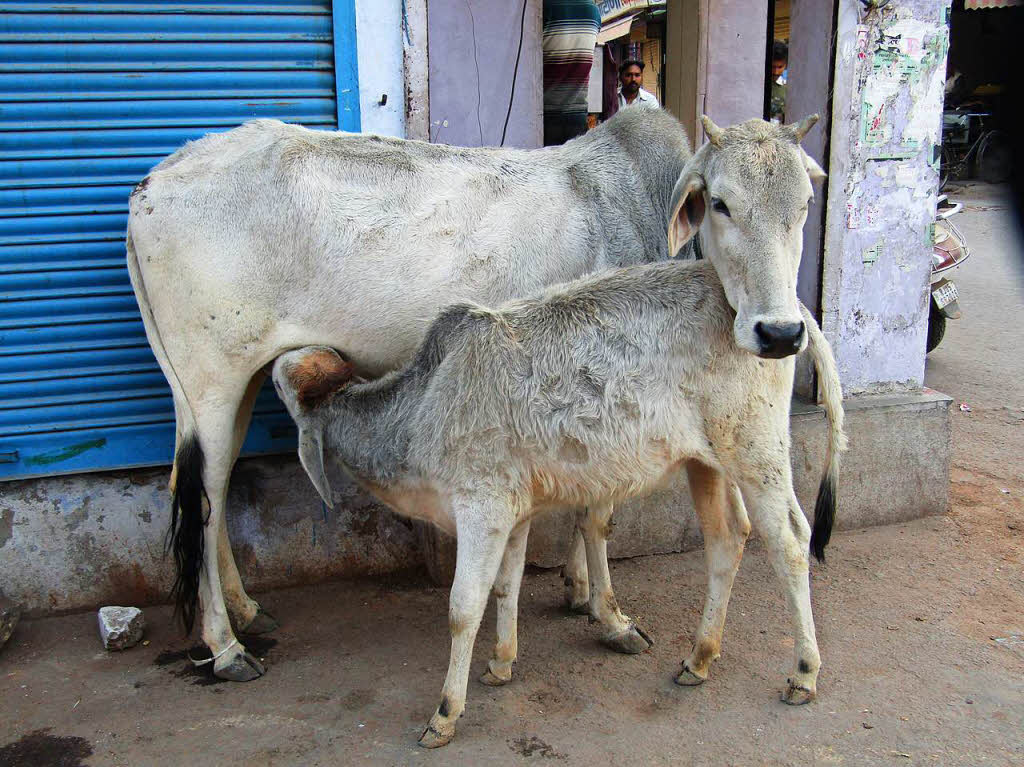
x: 777, y: 517
x: 483, y: 530
x: 723, y: 520
x: 621, y: 633
x: 506, y: 592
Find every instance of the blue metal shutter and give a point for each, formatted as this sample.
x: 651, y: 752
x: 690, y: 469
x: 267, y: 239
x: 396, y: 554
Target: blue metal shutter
x: 92, y: 95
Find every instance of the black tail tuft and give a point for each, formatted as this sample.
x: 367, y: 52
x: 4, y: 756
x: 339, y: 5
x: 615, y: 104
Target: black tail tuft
x: 185, y: 537
x: 824, y: 516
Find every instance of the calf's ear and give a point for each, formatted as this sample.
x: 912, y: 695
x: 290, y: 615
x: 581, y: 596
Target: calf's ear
x: 311, y: 454
x: 813, y: 169
x: 687, y: 208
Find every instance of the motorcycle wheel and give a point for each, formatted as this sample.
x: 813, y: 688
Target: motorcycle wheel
x: 936, y: 326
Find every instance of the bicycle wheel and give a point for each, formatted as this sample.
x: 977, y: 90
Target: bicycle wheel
x: 995, y: 160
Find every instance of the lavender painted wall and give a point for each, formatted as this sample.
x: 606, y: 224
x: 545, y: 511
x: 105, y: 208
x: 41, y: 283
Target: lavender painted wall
x: 735, y: 66
x: 889, y: 74
x: 472, y: 51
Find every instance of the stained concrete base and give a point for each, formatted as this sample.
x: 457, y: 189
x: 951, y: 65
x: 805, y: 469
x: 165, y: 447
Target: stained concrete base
x: 74, y: 542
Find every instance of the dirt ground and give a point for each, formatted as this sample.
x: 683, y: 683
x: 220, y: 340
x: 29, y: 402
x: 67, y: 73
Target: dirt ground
x: 920, y: 625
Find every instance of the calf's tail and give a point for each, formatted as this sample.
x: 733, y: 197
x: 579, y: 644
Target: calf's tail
x: 832, y: 400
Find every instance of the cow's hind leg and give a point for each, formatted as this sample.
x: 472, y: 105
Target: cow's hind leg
x: 620, y: 632
x: 723, y: 520
x: 577, y: 582
x: 506, y: 593
x: 246, y: 614
x: 777, y: 517
x: 214, y: 438
x: 483, y: 531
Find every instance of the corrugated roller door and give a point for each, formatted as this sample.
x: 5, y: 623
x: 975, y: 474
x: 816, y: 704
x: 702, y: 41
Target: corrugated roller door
x: 92, y: 95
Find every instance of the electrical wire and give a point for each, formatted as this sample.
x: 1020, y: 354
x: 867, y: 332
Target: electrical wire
x: 515, y: 74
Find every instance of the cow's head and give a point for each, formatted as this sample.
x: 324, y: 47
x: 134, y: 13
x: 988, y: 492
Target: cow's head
x: 747, y: 191
x: 305, y: 379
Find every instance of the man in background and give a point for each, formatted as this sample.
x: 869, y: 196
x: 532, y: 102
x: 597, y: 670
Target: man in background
x: 570, y: 34
x: 780, y: 61
x: 631, y: 75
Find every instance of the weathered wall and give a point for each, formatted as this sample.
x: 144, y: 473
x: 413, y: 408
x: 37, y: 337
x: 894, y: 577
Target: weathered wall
x: 78, y: 541
x: 882, y: 188
x: 715, y: 54
x: 381, y: 70
x: 472, y: 49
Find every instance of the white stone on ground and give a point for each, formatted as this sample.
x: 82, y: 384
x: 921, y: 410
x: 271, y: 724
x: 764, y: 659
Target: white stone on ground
x: 121, y: 627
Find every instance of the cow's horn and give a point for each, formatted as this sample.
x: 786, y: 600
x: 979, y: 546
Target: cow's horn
x: 715, y: 134
x: 801, y: 128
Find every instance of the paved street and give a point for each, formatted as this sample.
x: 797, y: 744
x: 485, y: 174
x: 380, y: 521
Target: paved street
x: 916, y: 623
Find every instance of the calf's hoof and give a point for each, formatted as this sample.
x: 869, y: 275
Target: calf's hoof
x: 797, y: 694
x: 438, y: 733
x: 633, y: 641
x: 688, y: 678
x: 262, y: 623
x: 240, y: 667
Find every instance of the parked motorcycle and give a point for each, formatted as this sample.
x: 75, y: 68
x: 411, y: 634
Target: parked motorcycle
x: 949, y: 250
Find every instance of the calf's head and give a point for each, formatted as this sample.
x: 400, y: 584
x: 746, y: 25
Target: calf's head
x: 747, y: 191
x: 304, y: 379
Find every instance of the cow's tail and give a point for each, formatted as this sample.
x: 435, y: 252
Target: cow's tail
x: 185, y: 535
x: 831, y: 396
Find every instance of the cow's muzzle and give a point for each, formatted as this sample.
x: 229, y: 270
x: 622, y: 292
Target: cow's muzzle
x: 779, y: 339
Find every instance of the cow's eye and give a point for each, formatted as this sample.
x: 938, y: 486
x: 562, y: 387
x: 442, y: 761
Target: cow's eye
x: 719, y: 207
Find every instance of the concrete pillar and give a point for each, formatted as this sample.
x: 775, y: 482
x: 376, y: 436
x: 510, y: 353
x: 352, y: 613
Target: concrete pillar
x: 883, y: 181
x: 715, y: 61
x: 381, y: 79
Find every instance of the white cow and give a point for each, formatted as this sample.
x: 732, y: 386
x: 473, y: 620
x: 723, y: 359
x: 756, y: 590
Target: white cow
x: 593, y: 392
x: 269, y: 237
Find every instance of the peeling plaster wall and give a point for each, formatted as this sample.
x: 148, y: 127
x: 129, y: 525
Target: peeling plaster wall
x: 76, y: 541
x: 882, y: 188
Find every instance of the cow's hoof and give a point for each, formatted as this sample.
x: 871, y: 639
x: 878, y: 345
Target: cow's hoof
x: 438, y: 733
x: 243, y: 667
x: 496, y: 675
x: 687, y: 678
x: 262, y: 623
x: 582, y: 608
x: 797, y: 694
x: 633, y: 641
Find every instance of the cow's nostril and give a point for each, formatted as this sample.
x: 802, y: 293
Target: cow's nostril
x: 779, y: 339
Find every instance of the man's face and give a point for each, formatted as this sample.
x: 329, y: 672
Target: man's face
x: 778, y: 67
x: 631, y: 78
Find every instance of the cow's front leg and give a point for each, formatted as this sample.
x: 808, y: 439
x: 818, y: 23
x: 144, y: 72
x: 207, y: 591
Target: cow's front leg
x: 724, y: 523
x: 620, y: 633
x: 506, y: 593
x: 777, y: 517
x: 483, y: 531
x: 574, y: 574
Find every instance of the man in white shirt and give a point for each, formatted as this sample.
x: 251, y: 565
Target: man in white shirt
x: 631, y: 74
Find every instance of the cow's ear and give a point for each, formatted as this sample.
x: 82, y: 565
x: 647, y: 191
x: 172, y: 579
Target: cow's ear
x: 687, y: 208
x: 311, y: 454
